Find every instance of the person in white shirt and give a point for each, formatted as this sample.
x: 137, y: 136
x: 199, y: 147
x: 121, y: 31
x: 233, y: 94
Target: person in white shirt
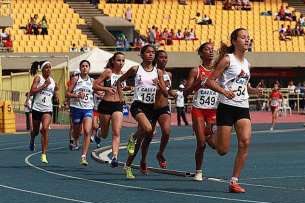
x: 43, y: 89
x: 180, y: 106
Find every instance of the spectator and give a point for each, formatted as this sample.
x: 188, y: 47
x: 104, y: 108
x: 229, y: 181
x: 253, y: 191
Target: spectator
x: 35, y: 25
x: 8, y: 43
x: 186, y: 34
x: 289, y: 31
x: 182, y: 2
x: 3, y: 35
x: 206, y: 20
x: 246, y: 5
x: 73, y: 48
x: 227, y: 5
x: 197, y: 19
x: 128, y: 14
x: 138, y: 43
x: 44, y: 26
x: 281, y: 13
x: 152, y: 35
x: 28, y: 110
x: 288, y: 14
x: 192, y: 35
x: 209, y: 2
x: 301, y: 21
x: 179, y: 35
x: 180, y: 106
x: 85, y: 48
x: 291, y: 94
x: 282, y: 33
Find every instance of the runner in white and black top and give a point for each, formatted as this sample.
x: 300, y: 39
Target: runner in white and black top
x: 43, y: 89
x: 232, y: 70
x: 80, y: 92
x: 111, y: 106
x: 147, y: 80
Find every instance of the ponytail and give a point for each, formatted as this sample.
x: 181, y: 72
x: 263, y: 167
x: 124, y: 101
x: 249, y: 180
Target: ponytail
x: 34, y: 68
x: 225, y: 49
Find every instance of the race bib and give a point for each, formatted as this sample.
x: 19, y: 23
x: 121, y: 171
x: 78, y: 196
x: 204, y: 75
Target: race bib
x: 239, y: 87
x: 206, y: 99
x: 146, y: 94
x: 274, y: 102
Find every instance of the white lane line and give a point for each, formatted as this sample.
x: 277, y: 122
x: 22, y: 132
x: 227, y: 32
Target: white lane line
x: 43, y: 194
x: 105, y: 157
x: 275, y: 177
x: 134, y: 187
x: 26, y: 146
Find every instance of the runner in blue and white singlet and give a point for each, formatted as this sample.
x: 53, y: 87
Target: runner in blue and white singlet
x: 80, y: 92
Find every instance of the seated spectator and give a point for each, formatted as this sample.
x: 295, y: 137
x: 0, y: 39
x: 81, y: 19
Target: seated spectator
x: 170, y: 37
x: 128, y: 14
x: 206, y: 20
x: 288, y: 14
x: 197, y: 19
x: 227, y: 5
x: 179, y: 35
x: 73, y: 48
x: 209, y: 2
x: 8, y: 43
x: 293, y: 15
x: 282, y: 33
x: 289, y: 31
x: 192, y: 35
x: 35, y: 26
x: 85, y: 48
x: 237, y: 5
x: 245, y: 5
x: 138, y: 43
x: 182, y: 2
x: 3, y: 35
x: 301, y: 21
x: 186, y: 34
x: 44, y: 26
x: 158, y: 34
x: 281, y: 14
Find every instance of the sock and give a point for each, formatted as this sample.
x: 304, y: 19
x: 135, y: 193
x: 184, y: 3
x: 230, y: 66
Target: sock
x: 198, y: 171
x: 234, y: 180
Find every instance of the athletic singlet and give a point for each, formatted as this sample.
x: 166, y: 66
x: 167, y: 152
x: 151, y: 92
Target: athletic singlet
x: 43, y: 100
x: 145, y: 89
x: 275, y: 96
x: 205, y: 98
x: 236, y: 78
x: 111, y: 82
x: 86, y: 87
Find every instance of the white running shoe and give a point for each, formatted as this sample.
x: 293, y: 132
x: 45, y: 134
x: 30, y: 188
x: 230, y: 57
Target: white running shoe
x: 271, y: 129
x: 198, y: 176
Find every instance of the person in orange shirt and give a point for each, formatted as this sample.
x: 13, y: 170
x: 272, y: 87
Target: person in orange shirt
x: 274, y: 101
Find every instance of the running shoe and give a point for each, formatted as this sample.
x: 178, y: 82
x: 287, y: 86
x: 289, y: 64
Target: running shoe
x: 44, y: 159
x: 234, y: 187
x: 198, y: 176
x: 128, y: 172
x: 161, y: 160
x: 114, y: 162
x: 91, y: 138
x: 143, y: 168
x: 83, y: 161
x: 32, y: 143
x: 271, y: 129
x: 97, y: 141
x: 131, y: 145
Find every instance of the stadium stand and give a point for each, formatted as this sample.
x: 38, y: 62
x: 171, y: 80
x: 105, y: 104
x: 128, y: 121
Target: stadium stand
x: 171, y: 15
x: 62, y: 26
